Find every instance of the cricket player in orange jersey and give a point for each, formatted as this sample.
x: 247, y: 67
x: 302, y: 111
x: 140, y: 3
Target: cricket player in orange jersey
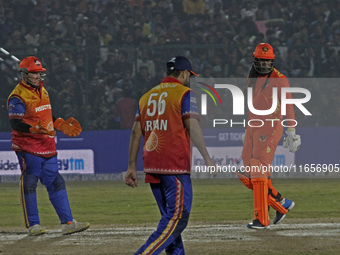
x: 262, y: 138
x: 33, y: 131
x: 167, y: 117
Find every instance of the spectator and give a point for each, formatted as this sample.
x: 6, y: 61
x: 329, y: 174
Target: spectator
x: 111, y: 20
x: 138, y: 35
x: 109, y: 66
x: 145, y: 60
x: 7, y: 26
x: 142, y: 80
x: 33, y: 36
x: 104, y: 37
x: 65, y: 25
x: 193, y: 7
x: 126, y: 108
x: 207, y: 72
x: 126, y: 82
x: 215, y: 9
x: 248, y: 11
x: 70, y: 99
x: 157, y: 33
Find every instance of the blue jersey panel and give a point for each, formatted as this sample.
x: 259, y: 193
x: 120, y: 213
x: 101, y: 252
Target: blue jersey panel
x: 16, y: 106
x: 189, y: 103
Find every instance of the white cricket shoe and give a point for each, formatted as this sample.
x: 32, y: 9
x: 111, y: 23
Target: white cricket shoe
x: 36, y: 230
x: 73, y: 227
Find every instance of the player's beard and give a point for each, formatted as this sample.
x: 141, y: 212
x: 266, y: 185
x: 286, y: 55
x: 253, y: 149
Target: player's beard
x: 187, y: 81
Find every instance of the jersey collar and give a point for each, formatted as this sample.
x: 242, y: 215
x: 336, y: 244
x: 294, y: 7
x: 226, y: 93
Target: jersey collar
x: 22, y: 83
x: 171, y: 79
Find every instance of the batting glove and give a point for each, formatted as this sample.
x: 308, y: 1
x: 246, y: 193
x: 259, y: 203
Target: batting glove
x: 292, y: 141
x: 70, y: 127
x: 39, y: 129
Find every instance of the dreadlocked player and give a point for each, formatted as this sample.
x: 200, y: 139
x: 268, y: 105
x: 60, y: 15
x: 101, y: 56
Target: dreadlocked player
x: 30, y: 115
x: 261, y: 140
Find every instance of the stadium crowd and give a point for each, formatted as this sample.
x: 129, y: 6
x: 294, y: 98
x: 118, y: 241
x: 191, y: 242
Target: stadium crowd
x: 102, y: 55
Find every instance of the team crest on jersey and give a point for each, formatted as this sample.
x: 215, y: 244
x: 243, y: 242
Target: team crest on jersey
x: 155, y: 141
x: 263, y: 138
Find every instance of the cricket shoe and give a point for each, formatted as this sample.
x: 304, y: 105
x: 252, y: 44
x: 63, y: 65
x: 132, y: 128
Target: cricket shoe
x: 73, y: 227
x: 256, y: 224
x: 36, y: 230
x: 286, y: 203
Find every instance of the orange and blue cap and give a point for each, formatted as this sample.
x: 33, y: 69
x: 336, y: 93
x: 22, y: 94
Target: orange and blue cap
x: 31, y: 64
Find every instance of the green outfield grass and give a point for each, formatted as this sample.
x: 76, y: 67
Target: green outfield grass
x: 215, y: 201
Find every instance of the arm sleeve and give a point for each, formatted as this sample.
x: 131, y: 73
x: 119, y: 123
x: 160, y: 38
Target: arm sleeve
x: 19, y: 125
x: 189, y: 106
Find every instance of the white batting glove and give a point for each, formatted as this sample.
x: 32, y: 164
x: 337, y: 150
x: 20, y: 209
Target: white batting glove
x: 292, y: 141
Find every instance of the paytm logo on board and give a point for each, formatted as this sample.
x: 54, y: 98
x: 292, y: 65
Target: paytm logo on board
x: 71, y: 164
x: 76, y: 161
x: 279, y: 160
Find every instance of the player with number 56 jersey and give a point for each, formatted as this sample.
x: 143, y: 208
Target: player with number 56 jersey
x: 163, y: 127
x: 167, y: 117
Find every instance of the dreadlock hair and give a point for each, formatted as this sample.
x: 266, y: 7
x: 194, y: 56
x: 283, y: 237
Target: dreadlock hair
x: 253, y: 75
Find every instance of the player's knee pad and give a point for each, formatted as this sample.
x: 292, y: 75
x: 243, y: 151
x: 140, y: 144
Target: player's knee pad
x: 28, y: 186
x: 276, y: 205
x: 29, y: 183
x: 59, y: 183
x: 245, y: 180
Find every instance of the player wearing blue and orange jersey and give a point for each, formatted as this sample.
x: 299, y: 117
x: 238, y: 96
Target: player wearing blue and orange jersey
x: 33, y: 125
x: 167, y: 117
x: 262, y: 137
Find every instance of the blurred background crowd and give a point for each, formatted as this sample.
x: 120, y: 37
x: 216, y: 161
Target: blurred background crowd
x: 102, y: 55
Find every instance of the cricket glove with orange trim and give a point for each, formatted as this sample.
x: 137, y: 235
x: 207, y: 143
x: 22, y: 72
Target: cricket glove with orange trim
x: 70, y: 127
